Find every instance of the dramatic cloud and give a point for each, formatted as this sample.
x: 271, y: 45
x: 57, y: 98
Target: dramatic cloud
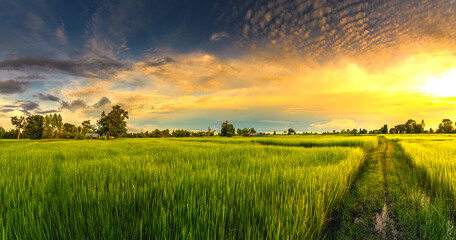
x: 219, y: 36
x: 82, y: 68
x: 24, y: 106
x: 13, y: 86
x: 103, y: 102
x: 74, y: 105
x: 47, y: 97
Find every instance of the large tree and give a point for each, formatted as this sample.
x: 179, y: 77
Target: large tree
x: 113, y: 124
x: 57, y: 124
x: 446, y: 126
x: 69, y: 130
x: 19, y: 123
x: 87, y: 127
x: 227, y: 129
x: 48, y: 130
x: 34, y: 128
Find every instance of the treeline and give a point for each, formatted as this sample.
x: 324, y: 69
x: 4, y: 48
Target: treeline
x: 446, y: 126
x: 51, y: 126
x: 167, y: 133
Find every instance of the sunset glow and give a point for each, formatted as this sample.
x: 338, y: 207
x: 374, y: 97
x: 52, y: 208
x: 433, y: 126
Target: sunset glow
x: 311, y: 65
x: 443, y: 85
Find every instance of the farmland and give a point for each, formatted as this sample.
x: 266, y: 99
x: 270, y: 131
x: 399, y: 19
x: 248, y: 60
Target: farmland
x: 295, y: 187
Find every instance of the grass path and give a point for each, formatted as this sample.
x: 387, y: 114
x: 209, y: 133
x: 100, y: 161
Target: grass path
x: 387, y: 201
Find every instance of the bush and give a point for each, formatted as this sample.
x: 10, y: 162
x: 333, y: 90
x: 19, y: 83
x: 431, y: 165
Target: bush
x: 103, y: 137
x: 229, y: 134
x: 79, y: 136
x: 111, y: 138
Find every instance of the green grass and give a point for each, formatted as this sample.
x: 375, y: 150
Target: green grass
x: 165, y: 189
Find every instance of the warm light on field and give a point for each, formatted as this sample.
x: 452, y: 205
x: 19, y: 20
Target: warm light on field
x: 443, y: 86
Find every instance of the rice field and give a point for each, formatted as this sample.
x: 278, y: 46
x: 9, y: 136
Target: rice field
x: 169, y: 189
x: 436, y: 159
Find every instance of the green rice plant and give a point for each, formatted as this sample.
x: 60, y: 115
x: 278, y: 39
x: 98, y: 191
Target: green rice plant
x: 436, y: 159
x: 367, y: 142
x: 159, y: 189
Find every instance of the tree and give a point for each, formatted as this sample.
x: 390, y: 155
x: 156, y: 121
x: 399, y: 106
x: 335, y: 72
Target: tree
x: 19, y: 123
x: 34, y: 127
x: 227, y: 129
x: 48, y: 130
x: 275, y: 133
x: 410, y: 126
x: 446, y: 126
x: 87, y: 127
x: 56, y: 124
x: 113, y: 124
x: 291, y: 131
x: 2, y: 133
x: 69, y: 130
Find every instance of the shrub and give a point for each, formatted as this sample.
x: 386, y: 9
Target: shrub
x: 111, y: 138
x: 79, y: 136
x: 103, y: 137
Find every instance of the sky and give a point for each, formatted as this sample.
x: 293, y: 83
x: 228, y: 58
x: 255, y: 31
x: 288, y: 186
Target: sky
x: 312, y: 65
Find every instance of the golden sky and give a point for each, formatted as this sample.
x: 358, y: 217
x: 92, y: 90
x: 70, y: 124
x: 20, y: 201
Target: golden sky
x: 310, y: 65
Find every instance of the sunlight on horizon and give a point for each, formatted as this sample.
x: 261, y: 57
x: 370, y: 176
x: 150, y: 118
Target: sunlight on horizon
x: 442, y: 86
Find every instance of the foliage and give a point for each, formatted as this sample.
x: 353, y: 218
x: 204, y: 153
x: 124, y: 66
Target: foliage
x: 19, y: 123
x: 103, y: 137
x: 34, y: 128
x: 47, y: 127
x: 69, y: 130
x: 80, y: 136
x: 113, y: 124
x: 291, y: 131
x: 245, y: 132
x: 227, y: 129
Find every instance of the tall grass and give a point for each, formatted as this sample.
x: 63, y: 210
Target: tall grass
x: 367, y: 142
x: 147, y: 188
x: 437, y: 159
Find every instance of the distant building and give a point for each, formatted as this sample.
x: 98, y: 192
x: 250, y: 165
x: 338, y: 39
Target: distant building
x: 92, y: 135
x: 256, y: 135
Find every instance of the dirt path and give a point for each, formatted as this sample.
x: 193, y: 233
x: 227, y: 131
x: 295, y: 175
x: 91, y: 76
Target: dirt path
x: 387, y: 202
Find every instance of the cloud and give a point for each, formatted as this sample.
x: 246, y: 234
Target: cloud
x: 60, y: 35
x: 25, y: 106
x: 74, y: 105
x: 219, y: 36
x: 47, y: 97
x: 30, y: 77
x: 13, y: 86
x: 6, y: 110
x: 336, y: 124
x: 103, y: 102
x: 159, y: 61
x: 47, y: 112
x: 104, y: 67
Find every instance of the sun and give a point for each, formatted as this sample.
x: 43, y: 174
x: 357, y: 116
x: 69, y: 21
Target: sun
x: 443, y: 86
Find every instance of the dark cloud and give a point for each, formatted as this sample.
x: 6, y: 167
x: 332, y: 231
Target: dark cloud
x: 103, y: 102
x: 30, y: 77
x: 160, y: 62
x: 102, y: 67
x: 219, y: 36
x: 47, y: 97
x: 13, y: 86
x: 25, y: 106
x: 72, y: 106
x: 28, y: 105
x: 47, y: 112
x: 6, y: 110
